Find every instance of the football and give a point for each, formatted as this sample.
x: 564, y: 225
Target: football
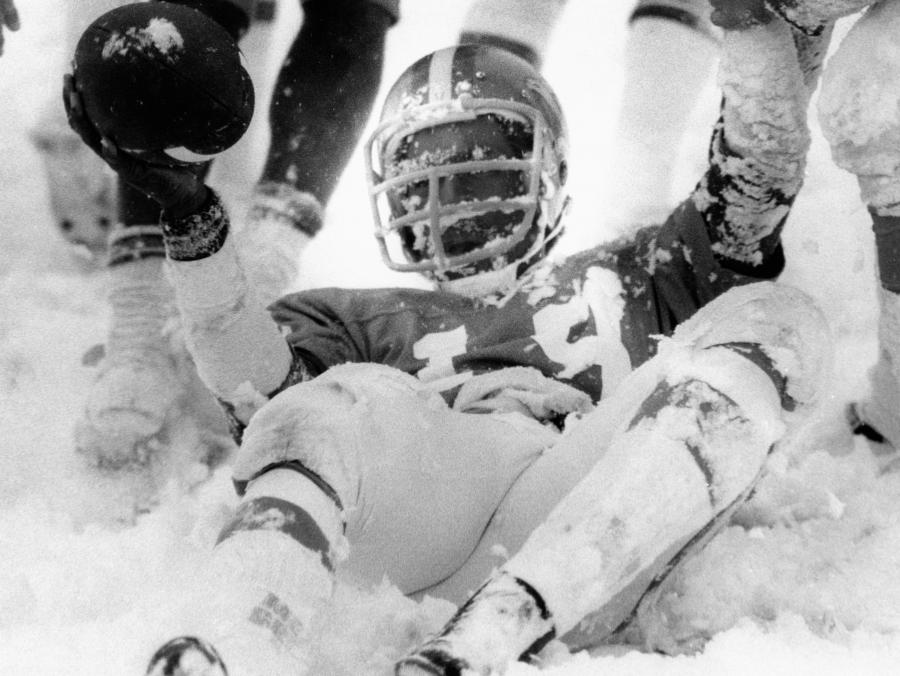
x: 156, y: 76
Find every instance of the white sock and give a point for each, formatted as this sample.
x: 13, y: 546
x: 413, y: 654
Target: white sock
x: 667, y: 65
x: 142, y: 304
x: 263, y: 589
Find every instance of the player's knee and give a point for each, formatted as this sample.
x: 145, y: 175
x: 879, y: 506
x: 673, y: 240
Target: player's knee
x: 304, y: 427
x: 340, y: 427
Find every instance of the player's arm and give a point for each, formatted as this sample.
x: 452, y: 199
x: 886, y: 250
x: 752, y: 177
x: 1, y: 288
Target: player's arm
x: 237, y: 346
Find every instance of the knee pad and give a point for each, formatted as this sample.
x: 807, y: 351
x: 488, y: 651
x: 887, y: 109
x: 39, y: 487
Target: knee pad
x: 325, y: 425
x: 783, y: 320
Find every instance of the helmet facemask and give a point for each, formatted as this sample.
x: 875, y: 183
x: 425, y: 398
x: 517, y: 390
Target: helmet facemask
x: 465, y: 189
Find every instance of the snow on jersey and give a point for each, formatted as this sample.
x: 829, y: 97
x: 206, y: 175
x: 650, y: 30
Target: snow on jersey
x: 586, y: 320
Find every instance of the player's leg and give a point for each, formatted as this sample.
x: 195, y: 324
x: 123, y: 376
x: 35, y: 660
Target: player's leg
x: 81, y: 188
x: 360, y: 467
x: 858, y: 113
x: 671, y: 50
x: 732, y: 382
x: 523, y: 27
x: 321, y: 101
x: 137, y: 383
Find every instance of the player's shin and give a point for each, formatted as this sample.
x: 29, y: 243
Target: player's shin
x: 266, y: 580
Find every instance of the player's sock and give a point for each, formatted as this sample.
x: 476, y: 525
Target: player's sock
x: 523, y: 28
x: 669, y: 59
x: 505, y: 620
x: 280, y: 223
x: 137, y: 385
x: 265, y: 582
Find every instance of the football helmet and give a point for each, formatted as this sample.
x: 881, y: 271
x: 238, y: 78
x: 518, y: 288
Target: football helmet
x: 467, y: 169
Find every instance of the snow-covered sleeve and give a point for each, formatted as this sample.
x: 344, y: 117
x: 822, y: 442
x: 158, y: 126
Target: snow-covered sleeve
x: 238, y: 349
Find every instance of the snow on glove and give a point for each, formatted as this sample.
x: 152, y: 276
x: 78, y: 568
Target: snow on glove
x: 176, y: 187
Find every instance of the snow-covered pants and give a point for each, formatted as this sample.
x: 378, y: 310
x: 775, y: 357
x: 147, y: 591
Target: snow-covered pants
x: 434, y: 498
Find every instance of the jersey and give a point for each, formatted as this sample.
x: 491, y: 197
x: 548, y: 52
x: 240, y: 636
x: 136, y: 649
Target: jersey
x: 586, y: 320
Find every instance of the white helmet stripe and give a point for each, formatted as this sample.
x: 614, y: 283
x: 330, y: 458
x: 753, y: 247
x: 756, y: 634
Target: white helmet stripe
x: 440, y: 76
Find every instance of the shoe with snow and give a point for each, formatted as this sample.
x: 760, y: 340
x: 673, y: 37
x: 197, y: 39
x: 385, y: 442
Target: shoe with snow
x: 186, y: 656
x: 81, y: 187
x: 503, y: 621
x: 123, y: 424
x: 138, y: 384
x: 279, y: 225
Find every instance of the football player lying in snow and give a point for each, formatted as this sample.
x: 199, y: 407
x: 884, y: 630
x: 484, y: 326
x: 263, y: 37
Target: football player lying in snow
x: 525, y: 405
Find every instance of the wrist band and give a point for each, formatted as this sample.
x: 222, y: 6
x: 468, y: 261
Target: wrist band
x: 197, y: 235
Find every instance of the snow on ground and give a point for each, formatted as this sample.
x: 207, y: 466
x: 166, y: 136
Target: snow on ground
x: 804, y: 583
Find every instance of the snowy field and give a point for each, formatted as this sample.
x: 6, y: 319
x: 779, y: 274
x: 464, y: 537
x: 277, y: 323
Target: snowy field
x: 807, y: 581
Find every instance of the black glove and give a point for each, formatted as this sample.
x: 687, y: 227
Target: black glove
x: 177, y: 187
x: 739, y: 14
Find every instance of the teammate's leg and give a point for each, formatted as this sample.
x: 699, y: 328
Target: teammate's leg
x: 857, y: 110
x: 743, y: 206
x: 81, y: 188
x: 321, y: 101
